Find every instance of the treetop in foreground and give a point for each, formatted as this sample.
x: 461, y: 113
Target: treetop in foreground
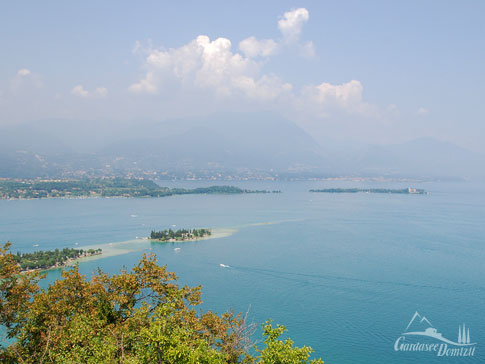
x: 140, y: 316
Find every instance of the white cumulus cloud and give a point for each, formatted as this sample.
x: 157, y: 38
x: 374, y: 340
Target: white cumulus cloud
x: 209, y: 68
x: 344, y: 94
x: 80, y: 91
x: 211, y: 65
x: 291, y: 24
x: 253, y: 47
x: 268, y: 87
x: 145, y: 85
x: 325, y: 98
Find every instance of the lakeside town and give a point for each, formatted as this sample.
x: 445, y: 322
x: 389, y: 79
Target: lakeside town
x: 104, y: 187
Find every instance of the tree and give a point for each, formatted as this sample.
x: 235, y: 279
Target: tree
x: 141, y: 316
x: 282, y: 352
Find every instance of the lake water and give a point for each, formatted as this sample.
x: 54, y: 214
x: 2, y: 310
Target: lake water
x: 344, y: 272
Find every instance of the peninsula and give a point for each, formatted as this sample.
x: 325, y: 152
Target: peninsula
x: 180, y: 235
x: 404, y: 191
x: 41, y: 260
x: 104, y: 187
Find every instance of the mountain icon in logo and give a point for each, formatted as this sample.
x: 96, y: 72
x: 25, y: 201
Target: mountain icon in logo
x: 421, y: 326
x: 418, y: 323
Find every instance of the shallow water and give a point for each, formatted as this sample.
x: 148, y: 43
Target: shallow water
x: 344, y: 272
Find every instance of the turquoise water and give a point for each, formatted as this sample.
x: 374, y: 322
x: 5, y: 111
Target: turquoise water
x: 344, y: 272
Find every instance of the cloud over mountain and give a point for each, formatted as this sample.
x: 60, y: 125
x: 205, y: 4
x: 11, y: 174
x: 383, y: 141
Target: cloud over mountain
x: 212, y: 67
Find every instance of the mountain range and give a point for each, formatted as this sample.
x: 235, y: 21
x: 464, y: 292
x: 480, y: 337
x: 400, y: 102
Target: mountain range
x: 219, y: 143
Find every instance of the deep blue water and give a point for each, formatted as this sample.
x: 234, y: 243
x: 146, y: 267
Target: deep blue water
x: 343, y: 272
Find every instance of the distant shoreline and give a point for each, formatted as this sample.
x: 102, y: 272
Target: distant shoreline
x: 403, y: 191
x: 179, y: 241
x: 11, y: 189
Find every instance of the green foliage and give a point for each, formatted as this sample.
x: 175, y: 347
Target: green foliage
x: 136, y: 317
x: 283, y: 352
x: 48, y: 259
x: 180, y: 235
x: 104, y: 187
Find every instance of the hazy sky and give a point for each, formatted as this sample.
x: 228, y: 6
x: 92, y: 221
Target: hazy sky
x: 364, y: 71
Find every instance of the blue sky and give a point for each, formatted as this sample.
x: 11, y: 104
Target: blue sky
x: 362, y: 71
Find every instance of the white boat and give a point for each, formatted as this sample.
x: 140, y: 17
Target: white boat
x: 224, y: 266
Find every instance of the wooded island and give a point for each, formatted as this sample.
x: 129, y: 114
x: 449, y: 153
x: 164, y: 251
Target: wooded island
x: 180, y: 235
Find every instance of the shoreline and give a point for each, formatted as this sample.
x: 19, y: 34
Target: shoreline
x: 215, y: 234
x: 178, y: 241
x: 134, y: 197
x: 11, y: 189
x: 140, y: 244
x: 67, y: 263
x: 179, y: 236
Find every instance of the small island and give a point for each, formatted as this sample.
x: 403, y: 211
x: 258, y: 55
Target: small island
x: 180, y: 235
x: 41, y: 260
x: 404, y: 191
